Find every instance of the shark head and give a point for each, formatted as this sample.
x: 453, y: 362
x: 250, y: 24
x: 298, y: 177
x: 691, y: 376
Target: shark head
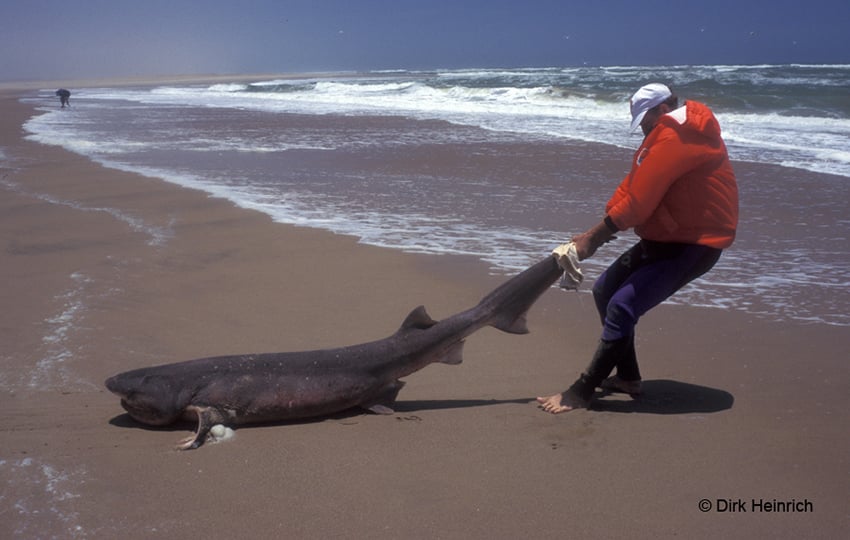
x: 148, y: 398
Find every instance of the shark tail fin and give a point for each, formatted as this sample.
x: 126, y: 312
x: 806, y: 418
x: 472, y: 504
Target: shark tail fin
x: 509, y: 303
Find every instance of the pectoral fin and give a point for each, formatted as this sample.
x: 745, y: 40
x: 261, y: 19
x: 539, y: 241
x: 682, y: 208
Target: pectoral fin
x: 383, y: 402
x: 207, y: 418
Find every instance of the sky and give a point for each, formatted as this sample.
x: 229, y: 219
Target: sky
x: 49, y: 39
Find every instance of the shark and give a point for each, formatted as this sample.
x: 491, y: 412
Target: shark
x: 244, y: 389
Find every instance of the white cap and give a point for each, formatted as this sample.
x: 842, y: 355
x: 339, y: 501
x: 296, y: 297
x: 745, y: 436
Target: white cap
x: 649, y: 96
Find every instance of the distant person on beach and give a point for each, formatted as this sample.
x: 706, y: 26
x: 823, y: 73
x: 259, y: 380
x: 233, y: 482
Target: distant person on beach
x: 64, y: 97
x: 681, y: 198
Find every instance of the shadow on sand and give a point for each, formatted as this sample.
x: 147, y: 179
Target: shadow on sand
x: 401, y: 407
x: 667, y: 397
x: 442, y: 404
x: 659, y: 397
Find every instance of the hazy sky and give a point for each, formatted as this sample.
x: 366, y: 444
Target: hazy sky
x: 50, y: 39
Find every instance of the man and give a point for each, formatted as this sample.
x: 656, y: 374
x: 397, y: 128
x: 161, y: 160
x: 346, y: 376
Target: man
x: 64, y: 97
x: 681, y: 198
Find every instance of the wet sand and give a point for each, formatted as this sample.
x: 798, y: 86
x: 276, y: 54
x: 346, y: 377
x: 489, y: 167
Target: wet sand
x: 104, y: 271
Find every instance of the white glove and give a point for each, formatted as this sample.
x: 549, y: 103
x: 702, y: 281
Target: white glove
x: 568, y: 260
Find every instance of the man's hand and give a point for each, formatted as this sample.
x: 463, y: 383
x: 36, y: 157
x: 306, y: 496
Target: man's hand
x: 588, y: 242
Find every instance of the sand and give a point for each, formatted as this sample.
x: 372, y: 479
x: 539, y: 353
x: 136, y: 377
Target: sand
x: 104, y: 271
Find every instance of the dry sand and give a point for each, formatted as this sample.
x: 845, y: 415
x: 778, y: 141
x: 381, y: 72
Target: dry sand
x: 104, y: 271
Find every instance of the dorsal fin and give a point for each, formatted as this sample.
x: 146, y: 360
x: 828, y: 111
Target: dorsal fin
x: 418, y: 319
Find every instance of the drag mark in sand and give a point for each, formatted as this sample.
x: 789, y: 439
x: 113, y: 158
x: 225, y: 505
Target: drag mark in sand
x: 37, y: 500
x: 52, y: 369
x: 158, y: 236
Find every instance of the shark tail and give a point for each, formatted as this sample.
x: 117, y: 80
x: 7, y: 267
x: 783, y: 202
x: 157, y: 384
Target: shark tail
x: 510, y: 302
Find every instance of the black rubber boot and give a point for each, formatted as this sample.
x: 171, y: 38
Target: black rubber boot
x: 627, y: 367
x: 608, y: 355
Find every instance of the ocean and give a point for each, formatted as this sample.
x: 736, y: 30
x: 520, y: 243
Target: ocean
x: 502, y: 165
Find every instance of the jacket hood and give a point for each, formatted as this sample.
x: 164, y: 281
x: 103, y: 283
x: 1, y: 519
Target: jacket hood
x: 694, y: 117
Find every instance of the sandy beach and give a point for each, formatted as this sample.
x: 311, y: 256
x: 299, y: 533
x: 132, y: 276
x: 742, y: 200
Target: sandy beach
x: 104, y: 271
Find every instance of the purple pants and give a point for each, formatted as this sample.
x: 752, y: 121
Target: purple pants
x: 643, y: 277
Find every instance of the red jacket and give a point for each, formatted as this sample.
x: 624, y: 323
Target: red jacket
x: 681, y: 187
